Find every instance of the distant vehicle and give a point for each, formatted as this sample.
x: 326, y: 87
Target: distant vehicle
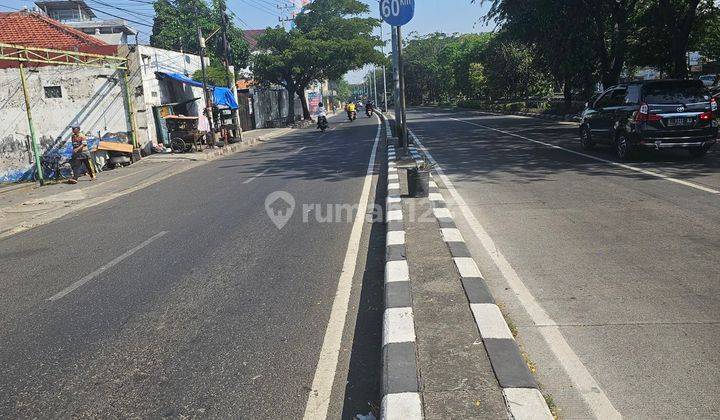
x: 652, y: 114
x: 708, y: 79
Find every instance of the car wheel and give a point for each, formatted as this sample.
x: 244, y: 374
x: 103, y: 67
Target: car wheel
x: 586, y: 140
x: 698, y: 152
x: 623, y: 148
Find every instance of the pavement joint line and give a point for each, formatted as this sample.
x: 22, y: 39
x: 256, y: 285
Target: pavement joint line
x: 583, y: 380
x: 320, y: 392
x: 66, y: 291
x: 399, y: 353
x: 598, y: 159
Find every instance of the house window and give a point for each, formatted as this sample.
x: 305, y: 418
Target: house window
x: 53, y: 92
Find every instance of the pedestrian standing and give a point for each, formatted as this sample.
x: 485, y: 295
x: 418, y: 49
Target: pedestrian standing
x: 80, y: 156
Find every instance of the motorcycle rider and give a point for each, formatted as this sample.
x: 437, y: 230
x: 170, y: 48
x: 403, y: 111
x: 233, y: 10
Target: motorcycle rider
x: 321, y: 115
x: 369, y: 107
x: 350, y: 108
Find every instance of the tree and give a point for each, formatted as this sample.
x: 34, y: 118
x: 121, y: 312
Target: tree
x: 175, y: 28
x: 329, y: 39
x: 511, y: 72
x: 215, y: 73
x: 671, y: 24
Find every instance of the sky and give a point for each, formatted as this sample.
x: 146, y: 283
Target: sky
x: 430, y: 16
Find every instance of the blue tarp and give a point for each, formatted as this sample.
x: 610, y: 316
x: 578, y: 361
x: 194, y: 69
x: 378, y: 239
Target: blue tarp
x: 221, y: 96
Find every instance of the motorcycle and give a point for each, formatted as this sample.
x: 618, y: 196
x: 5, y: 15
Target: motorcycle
x: 352, y: 115
x: 368, y: 111
x: 322, y: 123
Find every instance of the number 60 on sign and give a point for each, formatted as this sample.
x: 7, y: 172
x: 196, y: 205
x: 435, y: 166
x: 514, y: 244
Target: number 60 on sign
x: 397, y: 12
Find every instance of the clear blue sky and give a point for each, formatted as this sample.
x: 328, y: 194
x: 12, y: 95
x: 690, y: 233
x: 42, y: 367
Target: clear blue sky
x: 430, y: 15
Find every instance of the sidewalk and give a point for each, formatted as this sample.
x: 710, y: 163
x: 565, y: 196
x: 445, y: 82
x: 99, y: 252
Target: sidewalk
x: 25, y: 206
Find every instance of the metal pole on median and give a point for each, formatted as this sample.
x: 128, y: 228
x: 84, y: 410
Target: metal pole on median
x: 375, y: 84
x: 403, y: 105
x: 396, y: 83
x: 385, y: 108
x: 35, y: 146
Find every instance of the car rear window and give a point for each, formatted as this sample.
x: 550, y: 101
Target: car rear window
x: 675, y: 92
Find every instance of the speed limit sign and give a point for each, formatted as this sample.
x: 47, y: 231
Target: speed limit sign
x: 397, y: 12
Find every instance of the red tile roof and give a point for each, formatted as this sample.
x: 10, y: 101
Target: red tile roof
x: 252, y: 36
x: 32, y: 29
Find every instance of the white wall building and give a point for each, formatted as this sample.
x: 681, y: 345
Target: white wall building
x: 149, y: 91
x: 60, y: 96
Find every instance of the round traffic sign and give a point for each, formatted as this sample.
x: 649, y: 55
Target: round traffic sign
x: 397, y: 12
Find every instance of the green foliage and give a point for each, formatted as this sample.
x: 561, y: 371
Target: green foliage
x: 511, y: 72
x: 175, y: 28
x: 216, y: 74
x: 329, y: 39
x: 585, y: 41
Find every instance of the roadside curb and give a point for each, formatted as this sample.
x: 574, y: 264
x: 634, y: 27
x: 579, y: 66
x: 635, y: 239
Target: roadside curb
x: 237, y: 147
x: 523, y: 398
x: 400, y: 385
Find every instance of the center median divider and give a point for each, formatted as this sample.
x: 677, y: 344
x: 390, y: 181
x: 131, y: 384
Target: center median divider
x: 429, y: 368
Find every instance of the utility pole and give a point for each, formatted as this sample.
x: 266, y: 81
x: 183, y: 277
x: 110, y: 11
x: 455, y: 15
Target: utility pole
x: 31, y: 126
x: 208, y: 103
x: 229, y: 81
x: 382, y: 48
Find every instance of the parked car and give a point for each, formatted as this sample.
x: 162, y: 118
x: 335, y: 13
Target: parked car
x: 708, y: 79
x: 652, y: 114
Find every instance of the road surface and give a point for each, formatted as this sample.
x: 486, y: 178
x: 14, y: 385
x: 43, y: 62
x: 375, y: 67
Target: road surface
x: 184, y: 298
x: 609, y: 272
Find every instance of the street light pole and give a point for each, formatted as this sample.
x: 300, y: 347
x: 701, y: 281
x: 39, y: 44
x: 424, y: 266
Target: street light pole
x: 375, y: 84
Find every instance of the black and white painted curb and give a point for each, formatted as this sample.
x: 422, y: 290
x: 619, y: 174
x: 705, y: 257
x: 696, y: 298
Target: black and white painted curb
x: 522, y: 396
x: 401, y: 389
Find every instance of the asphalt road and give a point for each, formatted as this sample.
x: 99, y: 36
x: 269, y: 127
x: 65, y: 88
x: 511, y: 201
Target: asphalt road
x: 183, y: 299
x: 609, y: 272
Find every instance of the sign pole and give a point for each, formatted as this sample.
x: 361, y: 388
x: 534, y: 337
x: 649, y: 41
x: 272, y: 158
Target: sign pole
x: 383, y: 69
x: 396, y: 82
x: 403, y: 105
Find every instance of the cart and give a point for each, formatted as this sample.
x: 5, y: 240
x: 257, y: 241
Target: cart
x: 183, y: 133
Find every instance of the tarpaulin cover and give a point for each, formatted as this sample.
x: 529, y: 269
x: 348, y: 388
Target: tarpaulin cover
x: 221, y: 96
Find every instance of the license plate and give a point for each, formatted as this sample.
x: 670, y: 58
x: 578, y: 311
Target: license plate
x: 673, y: 122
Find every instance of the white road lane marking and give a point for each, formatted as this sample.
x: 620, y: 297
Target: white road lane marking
x: 609, y: 162
x: 64, y: 292
x: 249, y: 180
x: 319, y: 396
x: 583, y: 380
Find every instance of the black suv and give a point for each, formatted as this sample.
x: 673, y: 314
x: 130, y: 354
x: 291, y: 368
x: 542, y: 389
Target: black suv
x: 655, y: 114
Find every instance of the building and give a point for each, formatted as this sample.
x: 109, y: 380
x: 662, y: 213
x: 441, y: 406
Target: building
x: 155, y: 95
x: 60, y: 95
x: 77, y: 14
